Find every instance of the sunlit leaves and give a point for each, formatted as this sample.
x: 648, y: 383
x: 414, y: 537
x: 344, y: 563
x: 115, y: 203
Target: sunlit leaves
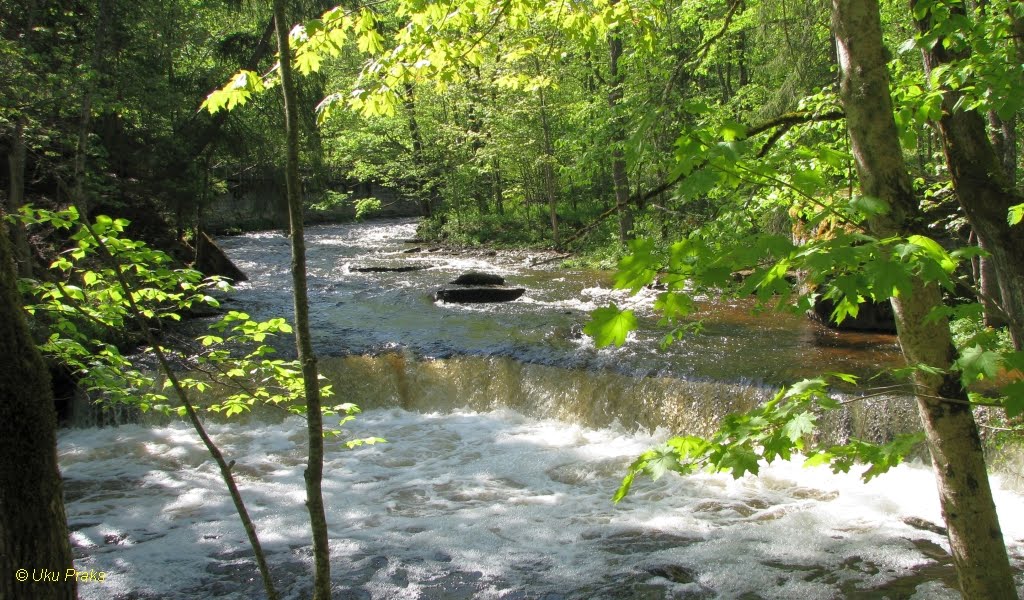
x: 732, y: 131
x: 236, y: 92
x: 774, y: 430
x: 933, y: 250
x: 879, y: 457
x: 869, y: 206
x: 1016, y: 214
x: 638, y: 268
x: 673, y: 306
x: 977, y: 363
x: 1013, y: 398
x: 609, y: 325
x: 83, y: 304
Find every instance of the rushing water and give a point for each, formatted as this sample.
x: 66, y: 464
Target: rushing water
x: 358, y: 312
x: 507, y: 434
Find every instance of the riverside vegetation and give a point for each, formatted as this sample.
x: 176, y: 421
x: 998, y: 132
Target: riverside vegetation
x: 688, y: 141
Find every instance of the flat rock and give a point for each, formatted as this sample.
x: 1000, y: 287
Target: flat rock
x: 404, y: 269
x: 467, y: 295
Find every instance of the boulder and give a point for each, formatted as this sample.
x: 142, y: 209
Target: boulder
x: 466, y: 295
x: 872, y: 316
x: 211, y: 260
x: 478, y: 278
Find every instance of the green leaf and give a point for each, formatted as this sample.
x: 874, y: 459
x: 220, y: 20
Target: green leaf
x: 1013, y: 398
x: 817, y: 459
x: 908, y: 46
x: 740, y: 460
x: 800, y: 425
x: 1014, y: 360
x: 805, y: 387
x: 933, y: 250
x: 1016, y: 214
x: 661, y: 460
x: 869, y: 206
x: 848, y: 378
x: 697, y: 184
x: 609, y: 325
x: 624, y: 487
x: 887, y: 278
x: 977, y: 363
x: 673, y: 306
x: 731, y: 130
x: 637, y: 269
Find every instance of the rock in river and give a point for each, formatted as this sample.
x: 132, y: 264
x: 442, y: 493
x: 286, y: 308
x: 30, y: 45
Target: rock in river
x: 478, y: 294
x: 479, y: 278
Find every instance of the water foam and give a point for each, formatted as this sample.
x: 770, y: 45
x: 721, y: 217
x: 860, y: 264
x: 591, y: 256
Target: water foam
x: 492, y: 504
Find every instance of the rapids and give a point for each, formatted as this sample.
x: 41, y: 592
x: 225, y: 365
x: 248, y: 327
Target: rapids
x: 507, y: 434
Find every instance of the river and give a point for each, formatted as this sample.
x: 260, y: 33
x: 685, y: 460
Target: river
x: 507, y: 434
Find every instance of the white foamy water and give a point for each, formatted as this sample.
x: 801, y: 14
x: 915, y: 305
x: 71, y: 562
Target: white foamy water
x: 492, y: 505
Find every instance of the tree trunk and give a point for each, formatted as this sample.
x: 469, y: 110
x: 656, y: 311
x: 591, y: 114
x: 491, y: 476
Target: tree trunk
x: 85, y: 117
x: 620, y: 178
x: 983, y: 189
x: 496, y: 187
x: 426, y: 198
x: 991, y: 292
x: 547, y: 167
x: 307, y: 359
x: 975, y: 538
x: 33, y: 526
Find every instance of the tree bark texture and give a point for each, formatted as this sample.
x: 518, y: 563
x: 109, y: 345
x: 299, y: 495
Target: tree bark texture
x: 33, y: 525
x: 307, y: 359
x: 975, y: 538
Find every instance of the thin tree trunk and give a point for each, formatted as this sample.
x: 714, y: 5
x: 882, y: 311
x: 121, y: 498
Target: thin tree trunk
x: 33, y: 525
x: 307, y: 359
x: 16, y: 159
x: 975, y: 537
x: 548, y: 168
x: 426, y: 197
x: 496, y: 186
x: 619, y: 177
x: 193, y: 416
x: 991, y: 292
x: 85, y: 117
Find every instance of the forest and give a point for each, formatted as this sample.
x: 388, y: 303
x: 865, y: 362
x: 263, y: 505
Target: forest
x: 843, y: 159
